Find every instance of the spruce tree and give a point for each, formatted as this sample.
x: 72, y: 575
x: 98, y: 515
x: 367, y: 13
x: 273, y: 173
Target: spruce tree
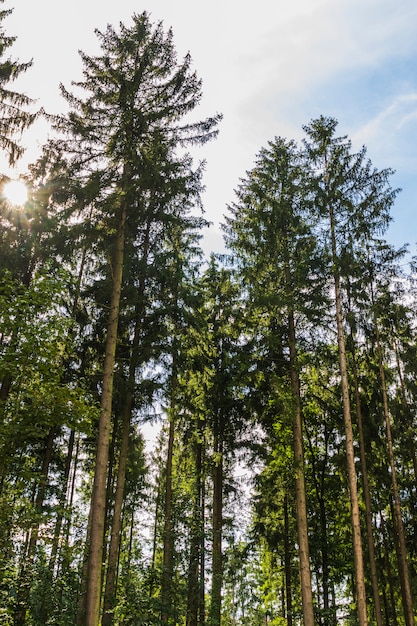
x: 274, y: 251
x: 353, y: 200
x: 134, y: 95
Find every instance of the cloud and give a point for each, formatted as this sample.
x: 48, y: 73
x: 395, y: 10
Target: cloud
x: 395, y: 116
x: 387, y: 134
x: 307, y: 48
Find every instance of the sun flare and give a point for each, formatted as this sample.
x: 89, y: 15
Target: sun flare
x: 16, y: 192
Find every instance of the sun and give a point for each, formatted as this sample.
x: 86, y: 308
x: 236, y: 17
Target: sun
x: 16, y: 192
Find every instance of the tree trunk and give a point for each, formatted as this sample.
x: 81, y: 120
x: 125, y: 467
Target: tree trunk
x: 287, y: 565
x: 192, y: 618
x: 62, y: 502
x: 98, y: 501
x: 366, y: 491
x: 155, y: 537
x: 319, y: 483
x: 350, y: 452
x: 202, y: 598
x: 217, y: 564
x: 25, y: 576
x: 402, y: 560
x: 300, y: 491
x: 82, y: 593
x: 167, y: 571
x: 168, y: 537
x: 113, y: 558
x: 114, y: 549
x: 392, y: 616
x: 410, y: 428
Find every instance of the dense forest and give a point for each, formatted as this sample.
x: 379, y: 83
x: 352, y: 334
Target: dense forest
x: 277, y: 380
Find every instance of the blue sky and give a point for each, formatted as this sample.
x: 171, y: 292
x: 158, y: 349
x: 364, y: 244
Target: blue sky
x: 268, y: 67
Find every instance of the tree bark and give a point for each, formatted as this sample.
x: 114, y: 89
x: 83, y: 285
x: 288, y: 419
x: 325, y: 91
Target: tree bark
x: 404, y: 402
x: 202, y: 593
x: 300, y: 491
x: 319, y: 483
x: 366, y: 492
x: 113, y: 557
x: 392, y: 617
x: 217, y: 561
x: 402, y: 560
x: 192, y: 617
x: 114, y: 548
x: 287, y: 565
x: 98, y: 501
x: 168, y: 538
x: 350, y: 452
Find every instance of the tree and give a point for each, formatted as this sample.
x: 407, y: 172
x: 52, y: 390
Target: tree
x: 272, y: 241
x: 402, y: 551
x: 178, y: 300
x: 353, y: 199
x: 219, y: 411
x: 136, y: 93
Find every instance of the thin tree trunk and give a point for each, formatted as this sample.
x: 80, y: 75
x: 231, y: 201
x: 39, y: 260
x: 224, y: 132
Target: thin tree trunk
x: 155, y: 538
x: 287, y: 565
x: 217, y: 564
x: 410, y: 428
x: 98, y: 501
x: 62, y: 502
x: 300, y: 491
x: 82, y: 594
x: 319, y: 483
x: 25, y: 576
x: 350, y: 452
x: 298, y: 447
x: 402, y: 560
x: 282, y: 590
x: 390, y: 580
x: 366, y: 490
x: 114, y: 549
x: 168, y: 538
x: 195, y: 540
x: 40, y: 496
x: 71, y: 495
x: 130, y: 544
x: 410, y: 439
x: 167, y: 571
x: 202, y: 598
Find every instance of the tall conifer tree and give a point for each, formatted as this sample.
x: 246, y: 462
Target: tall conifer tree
x: 353, y: 201
x: 133, y: 94
x: 273, y: 248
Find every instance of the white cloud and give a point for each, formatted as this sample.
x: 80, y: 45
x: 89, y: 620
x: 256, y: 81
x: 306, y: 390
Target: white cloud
x: 387, y: 135
x: 396, y: 115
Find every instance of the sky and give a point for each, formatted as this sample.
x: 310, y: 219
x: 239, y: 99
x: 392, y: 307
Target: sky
x: 269, y: 67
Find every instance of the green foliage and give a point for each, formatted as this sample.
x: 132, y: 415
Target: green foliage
x: 34, y: 343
